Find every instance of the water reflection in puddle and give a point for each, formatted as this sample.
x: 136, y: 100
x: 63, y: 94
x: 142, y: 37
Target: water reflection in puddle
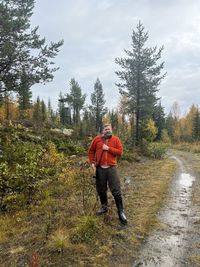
x: 186, y: 179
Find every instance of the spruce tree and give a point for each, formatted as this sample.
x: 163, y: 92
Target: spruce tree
x: 43, y: 111
x: 65, y: 118
x: 24, y: 93
x: 61, y: 108
x: 159, y: 119
x: 196, y: 126
x: 37, y: 112
x: 87, y: 122
x: 114, y: 119
x: 50, y: 113
x: 24, y: 98
x: 140, y: 77
x: 76, y: 100
x: 98, y: 102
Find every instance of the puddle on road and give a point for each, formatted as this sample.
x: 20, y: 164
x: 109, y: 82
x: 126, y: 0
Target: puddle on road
x: 186, y: 180
x: 166, y: 247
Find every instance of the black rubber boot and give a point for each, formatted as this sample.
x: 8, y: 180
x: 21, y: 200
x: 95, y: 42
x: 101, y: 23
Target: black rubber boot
x: 104, y: 204
x: 119, y: 204
x: 102, y: 210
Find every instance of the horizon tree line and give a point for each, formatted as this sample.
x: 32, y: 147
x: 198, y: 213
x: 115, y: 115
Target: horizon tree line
x: 172, y: 127
x: 26, y: 59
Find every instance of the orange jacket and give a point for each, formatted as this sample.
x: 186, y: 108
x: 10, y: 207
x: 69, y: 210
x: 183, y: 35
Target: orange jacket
x: 108, y: 157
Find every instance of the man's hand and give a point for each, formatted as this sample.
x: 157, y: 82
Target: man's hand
x: 94, y: 169
x: 105, y: 147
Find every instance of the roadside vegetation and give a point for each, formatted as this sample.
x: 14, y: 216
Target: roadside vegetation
x: 48, y: 204
x: 193, y: 147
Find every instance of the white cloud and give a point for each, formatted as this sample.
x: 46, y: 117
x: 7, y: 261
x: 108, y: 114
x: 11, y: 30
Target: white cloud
x: 104, y: 5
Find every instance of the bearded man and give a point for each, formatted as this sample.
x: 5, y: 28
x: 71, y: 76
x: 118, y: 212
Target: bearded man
x: 103, y: 152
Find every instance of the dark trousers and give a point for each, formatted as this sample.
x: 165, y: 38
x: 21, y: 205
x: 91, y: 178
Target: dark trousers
x: 108, y: 177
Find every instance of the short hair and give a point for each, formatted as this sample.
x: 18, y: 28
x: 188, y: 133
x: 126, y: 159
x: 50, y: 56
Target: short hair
x: 106, y: 125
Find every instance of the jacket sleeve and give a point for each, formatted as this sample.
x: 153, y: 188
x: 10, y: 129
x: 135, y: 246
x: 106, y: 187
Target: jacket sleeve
x: 91, y: 151
x: 116, y: 149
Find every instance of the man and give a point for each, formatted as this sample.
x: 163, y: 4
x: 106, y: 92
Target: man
x: 103, y: 153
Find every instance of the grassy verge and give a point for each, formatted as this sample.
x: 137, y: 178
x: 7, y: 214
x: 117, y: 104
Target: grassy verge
x: 62, y: 230
x: 190, y: 147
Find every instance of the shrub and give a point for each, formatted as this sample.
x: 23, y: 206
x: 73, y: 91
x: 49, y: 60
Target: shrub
x: 25, y: 168
x: 155, y: 150
x: 20, y: 172
x: 4, y: 181
x: 129, y: 155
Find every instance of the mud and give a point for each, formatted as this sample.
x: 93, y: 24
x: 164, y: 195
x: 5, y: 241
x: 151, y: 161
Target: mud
x: 170, y: 245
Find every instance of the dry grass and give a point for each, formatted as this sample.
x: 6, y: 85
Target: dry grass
x: 190, y: 147
x: 195, y: 259
x: 58, y: 233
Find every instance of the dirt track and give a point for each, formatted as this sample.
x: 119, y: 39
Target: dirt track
x: 172, y: 244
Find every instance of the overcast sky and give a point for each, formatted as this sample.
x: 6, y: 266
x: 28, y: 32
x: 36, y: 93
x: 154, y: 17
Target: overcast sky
x: 95, y: 32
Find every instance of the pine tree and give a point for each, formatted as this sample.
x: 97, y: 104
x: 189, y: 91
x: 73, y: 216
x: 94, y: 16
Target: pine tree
x: 98, y: 102
x: 140, y: 76
x: 25, y: 58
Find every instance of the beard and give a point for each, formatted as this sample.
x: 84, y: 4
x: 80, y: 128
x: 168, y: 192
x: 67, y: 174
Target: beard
x: 108, y: 135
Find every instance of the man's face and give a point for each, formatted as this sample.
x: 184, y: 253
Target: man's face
x: 107, y: 131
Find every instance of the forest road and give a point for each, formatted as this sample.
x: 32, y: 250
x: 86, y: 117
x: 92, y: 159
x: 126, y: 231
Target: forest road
x: 172, y: 243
